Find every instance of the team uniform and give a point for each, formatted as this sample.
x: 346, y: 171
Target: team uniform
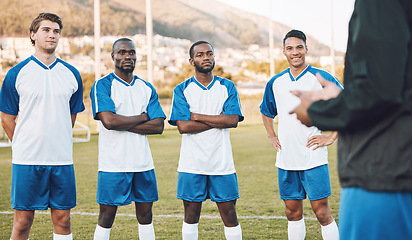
x: 206, y: 158
x: 43, y: 97
x: 374, y: 118
x: 295, y: 161
x: 126, y: 170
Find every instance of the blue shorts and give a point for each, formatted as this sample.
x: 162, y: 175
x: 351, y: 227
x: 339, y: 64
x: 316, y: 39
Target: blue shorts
x: 39, y: 187
x: 375, y: 215
x: 121, y: 188
x: 197, y: 188
x: 294, y: 185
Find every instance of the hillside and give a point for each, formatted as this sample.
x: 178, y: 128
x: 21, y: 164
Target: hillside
x: 222, y: 25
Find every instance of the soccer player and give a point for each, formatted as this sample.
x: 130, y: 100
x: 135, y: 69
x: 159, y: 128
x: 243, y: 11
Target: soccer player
x: 128, y: 110
x: 46, y: 94
x: 204, y: 108
x: 302, y: 157
x: 373, y: 115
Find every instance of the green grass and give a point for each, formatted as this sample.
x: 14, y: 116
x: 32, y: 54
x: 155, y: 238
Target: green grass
x: 257, y: 175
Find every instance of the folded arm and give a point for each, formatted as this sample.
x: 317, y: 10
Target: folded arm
x: 202, y: 122
x: 154, y: 126
x: 216, y: 121
x: 112, y: 121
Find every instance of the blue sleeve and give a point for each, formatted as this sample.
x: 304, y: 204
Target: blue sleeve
x: 268, y: 106
x: 180, y: 107
x: 232, y: 103
x: 329, y: 77
x: 100, y: 97
x: 76, y: 101
x: 9, y: 98
x: 154, y: 110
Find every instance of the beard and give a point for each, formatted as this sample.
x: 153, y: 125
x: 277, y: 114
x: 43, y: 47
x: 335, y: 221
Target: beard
x: 204, y: 70
x: 50, y: 50
x: 125, y: 70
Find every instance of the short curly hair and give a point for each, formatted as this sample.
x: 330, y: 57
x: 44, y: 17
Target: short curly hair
x: 191, y: 53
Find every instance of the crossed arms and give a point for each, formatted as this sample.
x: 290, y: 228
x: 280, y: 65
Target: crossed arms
x: 140, y: 124
x: 201, y: 122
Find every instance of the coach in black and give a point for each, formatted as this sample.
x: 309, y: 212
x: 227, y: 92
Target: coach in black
x: 373, y: 115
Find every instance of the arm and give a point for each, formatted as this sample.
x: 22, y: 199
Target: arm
x: 112, y: 121
x: 373, y: 82
x: 216, y: 121
x: 202, y: 122
x: 191, y: 126
x: 273, y: 138
x: 73, y: 116
x: 154, y: 126
x: 9, y: 124
x: 329, y: 90
x: 322, y: 140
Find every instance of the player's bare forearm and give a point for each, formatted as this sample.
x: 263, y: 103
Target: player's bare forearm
x: 191, y: 127
x: 112, y: 121
x: 333, y: 136
x: 273, y: 138
x: 8, y: 122
x: 216, y: 121
x: 73, y: 117
x: 154, y: 126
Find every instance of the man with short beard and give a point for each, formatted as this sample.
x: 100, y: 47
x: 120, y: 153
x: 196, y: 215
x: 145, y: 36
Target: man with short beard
x: 204, y: 108
x: 128, y: 110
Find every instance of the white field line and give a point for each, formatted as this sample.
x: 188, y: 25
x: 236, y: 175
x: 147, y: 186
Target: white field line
x: 168, y: 216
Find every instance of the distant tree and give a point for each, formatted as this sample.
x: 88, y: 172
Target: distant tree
x: 88, y: 80
x: 187, y: 72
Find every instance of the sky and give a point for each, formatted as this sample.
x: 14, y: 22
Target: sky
x: 313, y: 17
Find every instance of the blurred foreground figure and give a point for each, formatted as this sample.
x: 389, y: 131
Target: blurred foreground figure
x: 373, y: 115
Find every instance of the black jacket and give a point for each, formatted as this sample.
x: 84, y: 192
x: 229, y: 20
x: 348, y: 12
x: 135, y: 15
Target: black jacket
x: 373, y: 114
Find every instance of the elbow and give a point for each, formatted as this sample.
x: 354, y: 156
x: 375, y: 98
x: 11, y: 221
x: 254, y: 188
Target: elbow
x: 159, y: 129
x: 108, y: 125
x: 182, y: 129
x: 233, y: 124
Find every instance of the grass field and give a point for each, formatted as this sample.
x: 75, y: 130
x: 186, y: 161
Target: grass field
x: 260, y: 210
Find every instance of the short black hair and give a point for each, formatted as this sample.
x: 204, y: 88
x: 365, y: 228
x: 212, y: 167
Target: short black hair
x: 191, y: 53
x: 295, y: 33
x: 121, y: 40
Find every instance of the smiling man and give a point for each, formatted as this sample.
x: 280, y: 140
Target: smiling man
x: 204, y: 107
x: 302, y: 157
x: 128, y: 110
x: 46, y: 94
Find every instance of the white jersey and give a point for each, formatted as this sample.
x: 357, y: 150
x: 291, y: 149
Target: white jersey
x: 123, y: 151
x: 43, y: 97
x: 207, y: 152
x: 293, y: 135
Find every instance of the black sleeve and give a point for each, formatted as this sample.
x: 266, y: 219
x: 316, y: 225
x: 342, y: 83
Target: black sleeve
x: 375, y: 66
